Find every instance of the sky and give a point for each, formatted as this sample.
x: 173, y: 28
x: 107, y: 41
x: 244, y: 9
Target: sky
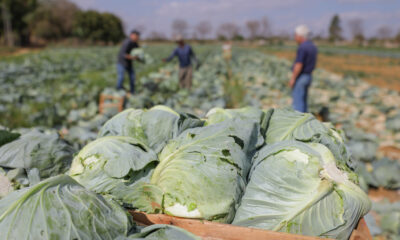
x: 284, y: 15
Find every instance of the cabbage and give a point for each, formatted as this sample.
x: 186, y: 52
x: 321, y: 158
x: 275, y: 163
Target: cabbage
x: 287, y: 124
x: 202, y: 172
x: 248, y: 115
x: 217, y: 115
x: 296, y: 188
x: 138, y: 52
x: 113, y: 165
x: 35, y: 149
x: 161, y: 232
x: 60, y: 208
x: 6, y: 137
x: 153, y: 127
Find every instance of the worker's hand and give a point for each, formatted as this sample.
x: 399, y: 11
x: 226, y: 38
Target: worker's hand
x: 134, y: 58
x: 292, y: 82
x: 164, y: 60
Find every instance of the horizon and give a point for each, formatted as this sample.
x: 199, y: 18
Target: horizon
x: 283, y: 15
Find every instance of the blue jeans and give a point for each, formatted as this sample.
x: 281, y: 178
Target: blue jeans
x: 300, y: 92
x: 121, y: 72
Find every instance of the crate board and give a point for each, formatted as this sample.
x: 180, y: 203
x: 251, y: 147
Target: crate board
x: 219, y: 231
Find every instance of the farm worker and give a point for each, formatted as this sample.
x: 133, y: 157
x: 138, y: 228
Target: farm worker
x: 185, y: 53
x: 227, y: 50
x: 125, y: 60
x: 302, y: 69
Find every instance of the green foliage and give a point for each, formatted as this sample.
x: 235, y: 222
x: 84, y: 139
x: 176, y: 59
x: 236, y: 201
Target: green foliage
x: 98, y: 27
x: 60, y: 208
x: 335, y: 30
x: 19, y: 11
x: 52, y: 20
x: 35, y: 149
x: 6, y: 137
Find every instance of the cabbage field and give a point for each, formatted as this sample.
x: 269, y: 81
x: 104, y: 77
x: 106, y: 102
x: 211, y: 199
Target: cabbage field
x: 229, y: 150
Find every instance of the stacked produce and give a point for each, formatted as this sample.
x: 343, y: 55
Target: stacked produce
x: 161, y: 161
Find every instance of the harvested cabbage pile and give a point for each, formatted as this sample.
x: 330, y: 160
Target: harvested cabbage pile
x: 277, y: 170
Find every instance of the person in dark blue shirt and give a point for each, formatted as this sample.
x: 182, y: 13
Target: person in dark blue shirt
x: 185, y: 54
x: 125, y: 60
x: 303, y: 67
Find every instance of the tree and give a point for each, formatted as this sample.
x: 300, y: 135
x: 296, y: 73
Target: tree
x: 227, y: 31
x: 356, y: 27
x: 6, y: 18
x: 15, y: 19
x: 253, y: 27
x: 179, y: 27
x: 203, y: 29
x: 98, y: 27
x: 113, y: 28
x: 335, y: 30
x: 384, y: 32
x: 266, y: 30
x: 53, y: 19
x: 397, y: 38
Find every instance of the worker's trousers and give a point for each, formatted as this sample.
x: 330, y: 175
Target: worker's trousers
x: 185, y: 77
x: 121, y: 73
x: 300, y: 92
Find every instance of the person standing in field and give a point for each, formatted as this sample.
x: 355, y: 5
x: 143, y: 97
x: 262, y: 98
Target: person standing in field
x: 185, y: 54
x: 125, y: 61
x: 303, y: 67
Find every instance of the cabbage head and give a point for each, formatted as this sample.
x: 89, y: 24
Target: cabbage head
x: 153, y: 127
x: 113, y: 165
x: 217, y: 115
x: 60, y: 208
x: 296, y: 187
x: 202, y: 172
x: 46, y: 152
x: 161, y: 232
x: 287, y: 124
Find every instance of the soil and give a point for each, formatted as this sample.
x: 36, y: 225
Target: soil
x: 379, y: 71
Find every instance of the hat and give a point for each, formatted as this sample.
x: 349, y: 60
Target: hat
x: 178, y: 38
x: 135, y: 32
x: 303, y: 31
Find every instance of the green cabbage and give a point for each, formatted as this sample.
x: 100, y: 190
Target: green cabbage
x: 35, y: 149
x: 60, y: 208
x: 113, y: 165
x: 202, y: 172
x: 287, y: 124
x: 153, y: 127
x: 296, y: 188
x: 161, y: 232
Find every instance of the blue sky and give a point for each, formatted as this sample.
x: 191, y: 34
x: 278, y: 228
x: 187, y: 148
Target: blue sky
x: 284, y: 15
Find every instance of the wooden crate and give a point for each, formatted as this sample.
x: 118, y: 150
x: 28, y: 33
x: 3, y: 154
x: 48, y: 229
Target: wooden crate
x: 117, y: 102
x: 219, y: 231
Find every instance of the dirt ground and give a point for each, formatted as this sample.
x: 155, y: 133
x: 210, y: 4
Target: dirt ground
x: 379, y: 71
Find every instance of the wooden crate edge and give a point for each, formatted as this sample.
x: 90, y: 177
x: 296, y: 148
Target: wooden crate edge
x: 215, y: 231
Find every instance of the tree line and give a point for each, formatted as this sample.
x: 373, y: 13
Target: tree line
x: 25, y: 21
x: 262, y: 29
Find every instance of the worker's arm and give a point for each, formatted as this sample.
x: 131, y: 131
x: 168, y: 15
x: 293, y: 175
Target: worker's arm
x: 298, y: 66
x: 170, y: 57
x: 130, y: 57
